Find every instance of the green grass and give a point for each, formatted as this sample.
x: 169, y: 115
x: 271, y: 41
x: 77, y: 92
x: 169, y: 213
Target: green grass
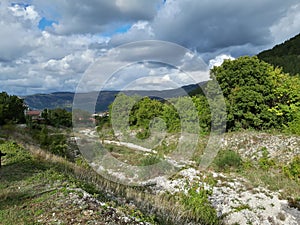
x: 273, y: 179
x: 196, y: 202
x: 34, y: 190
x: 22, y: 180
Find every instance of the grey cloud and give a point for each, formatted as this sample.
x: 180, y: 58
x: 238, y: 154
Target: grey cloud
x: 288, y: 26
x: 150, y: 50
x: 95, y: 16
x: 210, y: 26
x: 43, y: 61
x: 155, y: 62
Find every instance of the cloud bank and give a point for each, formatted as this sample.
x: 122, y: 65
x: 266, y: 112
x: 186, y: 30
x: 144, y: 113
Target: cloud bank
x: 43, y: 58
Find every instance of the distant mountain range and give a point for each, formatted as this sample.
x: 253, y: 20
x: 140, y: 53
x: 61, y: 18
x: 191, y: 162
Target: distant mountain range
x: 50, y: 101
x: 285, y: 55
x: 105, y: 98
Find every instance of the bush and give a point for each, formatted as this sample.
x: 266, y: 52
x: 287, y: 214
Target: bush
x: 294, y: 126
x: 265, y: 162
x: 150, y: 160
x: 54, y: 142
x: 144, y: 134
x: 196, y: 201
x: 228, y: 159
x: 292, y: 170
x: 11, y: 109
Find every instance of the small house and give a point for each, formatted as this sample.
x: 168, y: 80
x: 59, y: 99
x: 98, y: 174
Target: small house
x: 33, y: 114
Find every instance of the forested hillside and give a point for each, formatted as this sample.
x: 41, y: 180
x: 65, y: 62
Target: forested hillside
x: 285, y: 55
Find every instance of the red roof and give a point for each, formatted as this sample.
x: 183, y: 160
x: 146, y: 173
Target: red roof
x: 33, y: 113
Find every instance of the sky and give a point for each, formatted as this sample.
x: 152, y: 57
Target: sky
x: 48, y: 46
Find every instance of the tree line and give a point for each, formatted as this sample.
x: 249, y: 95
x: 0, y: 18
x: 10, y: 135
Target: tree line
x: 12, y: 111
x: 257, y: 95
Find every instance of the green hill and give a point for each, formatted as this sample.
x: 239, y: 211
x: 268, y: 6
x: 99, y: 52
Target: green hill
x: 50, y: 101
x: 285, y: 55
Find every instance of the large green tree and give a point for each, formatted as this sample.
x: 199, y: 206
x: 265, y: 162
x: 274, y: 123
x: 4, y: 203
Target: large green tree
x: 11, y: 109
x: 257, y: 94
x: 57, y: 117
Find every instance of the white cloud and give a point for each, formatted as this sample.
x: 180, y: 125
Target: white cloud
x: 28, y: 13
x: 141, y: 30
x: 37, y: 61
x: 18, y: 29
x: 219, y: 60
x: 71, y: 64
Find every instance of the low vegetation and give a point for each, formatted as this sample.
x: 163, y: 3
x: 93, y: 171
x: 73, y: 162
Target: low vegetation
x: 264, y: 171
x: 196, y: 202
x: 292, y: 170
x: 228, y: 160
x: 36, y: 190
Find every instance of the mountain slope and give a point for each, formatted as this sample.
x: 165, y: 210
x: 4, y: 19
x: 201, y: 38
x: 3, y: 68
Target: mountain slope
x: 105, y: 98
x: 50, y: 101
x: 285, y: 55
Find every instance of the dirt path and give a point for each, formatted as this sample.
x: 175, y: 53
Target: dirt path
x: 130, y: 145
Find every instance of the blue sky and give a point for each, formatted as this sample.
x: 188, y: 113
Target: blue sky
x: 44, y: 23
x: 48, y: 45
x: 118, y: 30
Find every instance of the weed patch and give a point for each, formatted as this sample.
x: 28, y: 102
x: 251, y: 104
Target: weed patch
x: 228, y: 159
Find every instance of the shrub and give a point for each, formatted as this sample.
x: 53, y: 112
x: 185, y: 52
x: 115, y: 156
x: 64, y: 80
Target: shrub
x: 228, y: 159
x: 144, y: 134
x: 196, y: 201
x: 150, y: 160
x: 292, y: 170
x: 265, y: 162
x: 257, y: 94
x: 294, y: 126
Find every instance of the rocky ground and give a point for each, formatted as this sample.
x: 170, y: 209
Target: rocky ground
x: 234, y: 200
x: 249, y: 144
x: 234, y: 197
x: 76, y: 206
